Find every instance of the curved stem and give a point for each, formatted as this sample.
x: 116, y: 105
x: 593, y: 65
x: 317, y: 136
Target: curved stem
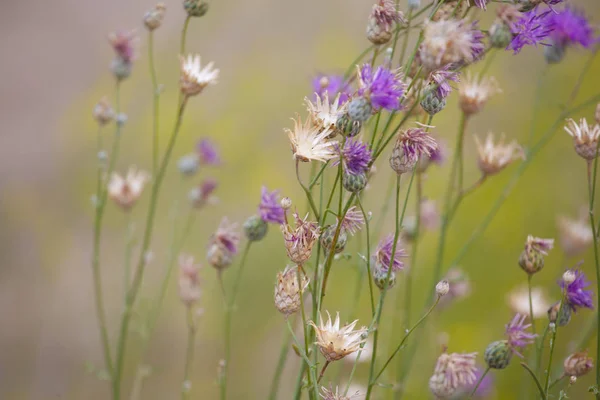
x: 184, y: 35
x: 155, y: 102
x: 535, y: 379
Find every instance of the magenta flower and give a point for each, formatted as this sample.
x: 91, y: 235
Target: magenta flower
x: 355, y: 157
x: 333, y: 85
x: 576, y: 294
x: 530, y: 30
x: 518, y: 338
x: 383, y: 88
x: 270, y: 209
x: 207, y: 152
x: 441, y: 77
x: 481, y: 4
x: 570, y: 26
x: 123, y: 43
x: 383, y: 254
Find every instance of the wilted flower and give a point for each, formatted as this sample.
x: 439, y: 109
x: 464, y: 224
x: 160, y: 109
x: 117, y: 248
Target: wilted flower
x: 194, y: 78
x: 223, y: 244
x: 453, y: 372
x: 189, y: 282
x: 576, y: 294
x: 126, y: 191
x: 203, y: 194
x: 494, y: 157
x: 382, y: 20
x: 517, y: 336
x: 329, y: 394
x: 333, y: 85
x: 288, y: 290
x: 518, y: 301
x: 270, y: 209
x: 383, y: 257
x: 355, y: 157
x: 574, y: 235
x: 578, y: 364
x: 153, y: 18
x: 585, y: 137
x: 103, y: 112
x: 531, y: 29
x: 310, y: 143
x: 324, y: 114
x: 410, y: 146
x: 441, y: 78
x: 473, y: 93
x: 334, y: 342
x: 382, y: 88
x: 532, y: 257
x: 299, y: 241
x: 207, y: 152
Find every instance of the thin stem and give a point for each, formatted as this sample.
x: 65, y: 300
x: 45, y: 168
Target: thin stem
x: 323, y: 371
x: 552, y: 345
x: 128, y: 249
x: 531, y: 316
x: 311, y: 380
x: 155, y: 102
x: 368, y: 260
x: 535, y: 379
x: 479, y: 382
x: 184, y: 35
x: 311, y: 201
x: 540, y: 350
x: 592, y: 186
x: 283, y: 353
x: 189, y: 354
x: 557, y: 380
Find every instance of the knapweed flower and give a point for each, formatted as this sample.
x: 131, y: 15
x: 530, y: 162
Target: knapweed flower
x: 494, y: 157
x: 532, y: 256
x: 207, y: 152
x: 300, y: 240
x: 501, y: 31
x: 337, y: 342
x: 189, y: 281
x: 329, y: 394
x: 324, y: 114
x: 575, y: 293
x: 382, y: 20
x: 460, y: 286
x: 194, y: 78
x: 517, y: 335
x: 453, y: 372
x: 578, y: 364
x: 153, y: 18
x: 585, y: 137
x: 201, y: 195
x: 570, y: 27
x: 518, y: 301
x: 531, y: 29
x: 383, y: 88
x: 383, y: 254
x: 103, y: 112
x: 355, y: 157
x: 123, y: 43
x: 288, y: 290
x: 333, y: 85
x: 353, y: 220
x: 270, y: 209
x: 223, y: 245
x: 310, y: 143
x: 575, y: 235
x: 126, y: 191
x: 450, y: 41
x: 473, y: 93
x: 410, y: 146
x: 441, y: 79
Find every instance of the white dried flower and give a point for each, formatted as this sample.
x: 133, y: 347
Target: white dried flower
x: 336, y: 342
x: 310, y: 143
x: 126, y: 191
x: 193, y: 77
x: 324, y: 114
x: 494, y: 157
x: 473, y: 93
x: 585, y: 137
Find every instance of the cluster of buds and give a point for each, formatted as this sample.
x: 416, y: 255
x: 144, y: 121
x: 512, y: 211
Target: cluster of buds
x: 289, y: 290
x: 532, y: 257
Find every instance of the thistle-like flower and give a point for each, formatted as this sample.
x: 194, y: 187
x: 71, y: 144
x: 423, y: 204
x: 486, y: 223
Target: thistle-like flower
x: 518, y: 301
x: 103, y: 112
x: 288, y: 290
x: 532, y: 257
x: 575, y: 293
x: 223, y: 245
x: 126, y: 191
x: 473, y: 93
x: 570, y: 27
x: 207, y: 152
x: 300, y: 240
x: 383, y: 257
x: 189, y: 281
x: 494, y: 157
x: 329, y: 394
x: 333, y: 85
x: 310, y: 143
x: 194, y: 78
x: 575, y: 235
x: 585, y: 137
x: 382, y: 20
x: 441, y: 79
x: 355, y: 157
x: 353, y: 220
x: 334, y: 342
x: 153, y: 18
x: 123, y: 43
x: 453, y: 372
x: 270, y: 209
x: 410, y: 146
x: 201, y: 195
x: 517, y: 336
x: 324, y: 114
x: 578, y: 364
x: 530, y: 29
x: 382, y: 88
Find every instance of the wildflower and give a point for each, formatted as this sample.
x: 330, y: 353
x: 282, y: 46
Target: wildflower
x: 327, y: 237
x: 411, y: 145
x: 207, y: 152
x: 501, y: 31
x: 329, y: 394
x: 383, y: 257
x: 355, y: 157
x: 334, y: 342
x: 578, y: 364
x: 286, y: 203
x: 189, y: 282
x: 203, y: 194
x: 532, y: 257
x: 223, y: 245
x: 255, y: 228
x: 288, y: 290
x: 516, y: 333
x: 453, y: 372
x: 442, y: 288
x: 153, y: 18
x: 460, y: 286
x: 574, y: 235
x: 123, y: 43
x: 195, y: 8
x: 270, y: 209
x: 300, y: 240
x: 518, y: 301
x: 497, y: 354
x: 382, y: 88
x: 103, y: 112
x: 576, y: 295
x: 126, y: 191
x: 354, y: 183
x: 494, y: 157
x: 382, y: 20
x: 193, y: 77
x: 310, y: 143
x: 585, y: 137
x: 473, y: 93
x: 450, y: 41
x: 570, y: 27
x: 530, y: 29
x: 441, y: 78
x: 188, y: 165
x: 333, y: 85
x: 324, y: 114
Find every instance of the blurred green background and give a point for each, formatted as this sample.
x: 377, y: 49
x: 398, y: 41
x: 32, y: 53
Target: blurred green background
x: 56, y: 68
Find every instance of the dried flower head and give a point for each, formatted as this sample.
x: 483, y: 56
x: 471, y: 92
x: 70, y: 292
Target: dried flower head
x: 410, y: 146
x: 270, y: 209
x: 494, y: 157
x: 189, y: 281
x: 460, y: 286
x: 453, y: 372
x: 324, y: 114
x: 207, y: 152
x: 532, y: 257
x: 333, y: 85
x: 518, y: 301
x: 575, y: 235
x: 329, y: 394
x: 300, y: 240
x: 382, y: 21
x: 442, y: 288
x: 576, y: 294
x: 441, y: 79
x: 355, y: 157
x: 585, y: 137
x: 578, y: 364
x: 336, y: 342
x: 126, y: 191
x: 288, y: 290
x: 516, y: 334
x: 383, y: 254
x: 383, y: 88
x: 223, y: 244
x: 201, y: 195
x: 310, y: 143
x: 473, y: 93
x: 103, y: 112
x: 153, y: 18
x: 194, y: 78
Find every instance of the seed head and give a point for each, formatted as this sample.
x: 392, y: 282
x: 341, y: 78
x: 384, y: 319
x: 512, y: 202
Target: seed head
x: 410, y: 146
x: 329, y: 394
x: 578, y: 364
x: 336, y: 342
x: 323, y: 113
x: 126, y: 191
x: 300, y: 240
x: 585, y: 137
x: 494, y: 157
x: 474, y: 93
x: 153, y: 18
x: 194, y: 78
x: 288, y: 290
x: 310, y: 143
x: 460, y: 286
x: 286, y: 203
x: 452, y: 373
x: 188, y: 165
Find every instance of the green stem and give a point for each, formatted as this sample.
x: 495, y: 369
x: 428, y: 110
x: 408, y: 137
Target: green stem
x: 189, y: 354
x: 184, y: 35
x: 311, y: 201
x: 531, y: 316
x: 128, y: 249
x: 283, y: 353
x: 535, y: 379
x: 155, y: 102
x: 368, y: 261
x: 312, y: 381
x: 592, y: 186
x: 552, y: 345
x: 479, y: 382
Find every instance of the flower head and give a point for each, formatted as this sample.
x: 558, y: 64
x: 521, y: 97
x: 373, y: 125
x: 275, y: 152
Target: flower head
x: 441, y: 78
x: 299, y: 241
x: 189, y: 281
x: 453, y: 372
x: 355, y: 157
x: 578, y: 364
x: 575, y: 235
x: 353, y: 220
x: 329, y: 394
x: 494, y: 157
x: 103, y: 112
x: 517, y: 336
x: 288, y: 290
x: 223, y: 244
x: 324, y: 114
x: 518, y: 301
x: 382, y: 19
x: 336, y: 342
x: 532, y: 257
x: 585, y: 137
x: 410, y: 146
x: 201, y: 195
x: 383, y: 255
x: 570, y: 26
x: 576, y: 294
x: 207, y: 152
x: 154, y: 17
x: 126, y: 191
x: 531, y: 29
x: 270, y: 209
x: 333, y: 85
x: 194, y: 78
x: 310, y: 143
x: 474, y: 93
x: 123, y: 43
x: 383, y: 88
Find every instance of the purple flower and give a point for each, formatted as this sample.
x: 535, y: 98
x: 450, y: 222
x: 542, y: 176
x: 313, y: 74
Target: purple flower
x: 226, y: 236
x: 477, y: 45
x: 481, y: 4
x: 333, y: 85
x: 208, y: 153
x: 530, y: 30
x: 353, y: 220
x: 355, y: 157
x: 384, y: 88
x: 570, y: 26
x: 441, y: 77
x: 270, y: 209
x: 383, y: 254
x: 576, y: 294
x: 123, y: 43
x: 517, y: 335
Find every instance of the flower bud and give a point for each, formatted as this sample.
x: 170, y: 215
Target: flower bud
x: 400, y: 162
x: 255, y: 228
x: 218, y: 256
x: 120, y: 68
x: 442, y: 288
x: 327, y: 239
x: 286, y: 203
x: 195, y: 8
x: 360, y: 109
x: 578, y: 364
x: 378, y: 33
x: 431, y: 103
x: 560, y: 316
x: 380, y: 277
x: 500, y: 35
x: 498, y: 354
x: 288, y: 290
x: 188, y: 164
x: 354, y: 183
x: 153, y: 18
x: 554, y: 53
x: 414, y: 4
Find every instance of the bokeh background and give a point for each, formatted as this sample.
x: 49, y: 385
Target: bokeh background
x: 55, y: 68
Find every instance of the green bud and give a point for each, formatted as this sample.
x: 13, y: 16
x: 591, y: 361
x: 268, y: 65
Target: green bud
x: 327, y: 239
x: 360, y: 109
x: 255, y: 228
x: 431, y: 103
x: 500, y: 35
x: 348, y: 127
x: 354, y: 183
x: 195, y: 8
x: 560, y: 317
x: 498, y: 354
x: 380, y: 277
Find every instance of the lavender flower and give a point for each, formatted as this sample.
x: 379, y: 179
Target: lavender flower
x: 270, y: 209
x: 353, y: 220
x: 208, y: 153
x: 123, y: 43
x: 333, y: 85
x: 355, y: 157
x: 383, y: 88
x: 410, y: 146
x: 518, y: 338
x: 530, y: 30
x: 383, y: 254
x: 576, y: 294
x: 223, y: 245
x: 570, y: 26
x: 441, y: 77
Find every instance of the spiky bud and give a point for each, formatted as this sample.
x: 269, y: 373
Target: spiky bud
x: 442, y: 288
x: 578, y: 364
x: 288, y: 290
x: 498, y: 354
x: 500, y: 35
x: 380, y: 277
x: 195, y: 8
x: 554, y: 53
x: 360, y: 109
x: 354, y: 183
x: 255, y: 228
x: 431, y: 103
x: 560, y: 316
x: 348, y: 127
x: 327, y: 239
